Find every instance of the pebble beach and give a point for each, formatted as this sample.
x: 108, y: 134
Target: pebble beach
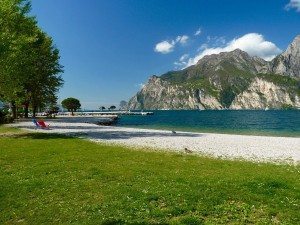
x: 228, y: 146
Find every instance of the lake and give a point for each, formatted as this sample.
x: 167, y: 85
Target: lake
x: 253, y: 122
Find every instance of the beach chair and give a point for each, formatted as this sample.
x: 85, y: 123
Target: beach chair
x: 36, y: 123
x: 42, y: 124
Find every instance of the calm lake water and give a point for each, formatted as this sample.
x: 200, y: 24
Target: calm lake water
x: 254, y: 122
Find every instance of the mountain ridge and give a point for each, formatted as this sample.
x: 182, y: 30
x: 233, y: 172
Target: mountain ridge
x: 228, y: 80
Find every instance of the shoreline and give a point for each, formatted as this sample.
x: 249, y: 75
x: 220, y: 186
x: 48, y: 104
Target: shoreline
x: 228, y: 146
x: 214, y: 131
x: 93, y: 120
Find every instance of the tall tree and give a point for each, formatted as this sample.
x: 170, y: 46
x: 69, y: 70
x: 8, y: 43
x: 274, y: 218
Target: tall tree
x: 71, y: 104
x: 112, y: 107
x: 29, y: 62
x: 41, y: 87
x: 15, y: 32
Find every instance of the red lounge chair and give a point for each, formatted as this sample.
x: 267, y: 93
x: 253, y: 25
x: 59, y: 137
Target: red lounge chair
x: 42, y: 124
x: 36, y: 123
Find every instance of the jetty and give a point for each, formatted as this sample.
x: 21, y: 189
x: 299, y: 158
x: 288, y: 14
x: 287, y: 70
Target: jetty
x: 106, y: 113
x: 104, y: 118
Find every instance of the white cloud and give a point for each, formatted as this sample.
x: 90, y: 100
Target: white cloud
x: 180, y: 65
x: 202, y: 47
x: 182, y: 61
x: 182, y: 39
x: 293, y: 4
x: 164, y: 47
x: 215, y: 40
x: 183, y: 57
x: 198, y: 32
x: 254, y: 44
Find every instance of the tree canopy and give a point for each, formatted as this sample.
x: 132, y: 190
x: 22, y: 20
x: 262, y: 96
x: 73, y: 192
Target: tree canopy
x: 123, y: 104
x: 112, y: 107
x: 71, y: 104
x: 29, y: 61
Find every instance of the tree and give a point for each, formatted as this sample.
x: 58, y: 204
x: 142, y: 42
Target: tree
x: 16, y: 31
x: 29, y: 62
x: 45, y: 72
x: 123, y: 105
x: 52, y: 109
x: 227, y: 96
x: 112, y: 107
x: 71, y: 104
x: 101, y: 108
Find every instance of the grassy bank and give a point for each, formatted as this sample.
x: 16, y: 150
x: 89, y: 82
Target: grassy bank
x: 51, y: 179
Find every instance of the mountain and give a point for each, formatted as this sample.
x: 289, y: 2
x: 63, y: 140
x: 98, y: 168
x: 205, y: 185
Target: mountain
x: 288, y: 63
x: 229, y: 80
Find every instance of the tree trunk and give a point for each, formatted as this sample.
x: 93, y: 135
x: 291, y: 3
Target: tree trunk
x: 72, y: 111
x: 34, y: 108
x: 14, y: 110
x: 26, y: 110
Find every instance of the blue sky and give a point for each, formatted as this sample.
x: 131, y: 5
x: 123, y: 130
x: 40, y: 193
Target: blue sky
x: 109, y: 48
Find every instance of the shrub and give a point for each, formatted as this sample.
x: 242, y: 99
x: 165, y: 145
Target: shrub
x: 5, y: 117
x: 287, y: 107
x: 227, y: 96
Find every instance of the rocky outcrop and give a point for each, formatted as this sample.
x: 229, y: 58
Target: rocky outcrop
x: 159, y: 94
x: 262, y: 94
x: 231, y: 80
x: 288, y: 63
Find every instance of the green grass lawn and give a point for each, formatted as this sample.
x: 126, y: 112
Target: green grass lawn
x: 51, y: 179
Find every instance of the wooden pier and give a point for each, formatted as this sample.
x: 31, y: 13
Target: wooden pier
x: 106, y: 113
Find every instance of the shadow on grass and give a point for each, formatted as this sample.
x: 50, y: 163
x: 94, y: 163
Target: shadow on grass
x: 48, y: 136
x: 103, y: 133
x: 36, y: 136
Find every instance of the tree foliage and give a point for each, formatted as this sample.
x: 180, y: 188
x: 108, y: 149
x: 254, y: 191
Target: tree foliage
x: 29, y: 61
x: 71, y: 104
x: 112, y: 107
x: 123, y: 104
x: 227, y: 96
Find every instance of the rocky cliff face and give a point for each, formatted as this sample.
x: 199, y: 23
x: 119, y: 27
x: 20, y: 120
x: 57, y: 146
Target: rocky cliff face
x: 288, y: 63
x: 232, y: 80
x: 160, y: 94
x: 263, y: 94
